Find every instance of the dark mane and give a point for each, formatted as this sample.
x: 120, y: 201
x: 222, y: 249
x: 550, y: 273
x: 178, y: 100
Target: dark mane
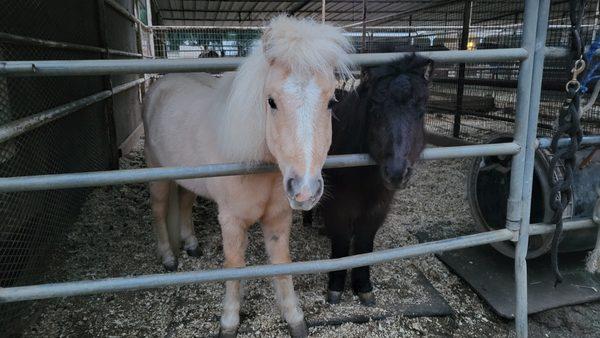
x: 349, y: 129
x: 410, y: 64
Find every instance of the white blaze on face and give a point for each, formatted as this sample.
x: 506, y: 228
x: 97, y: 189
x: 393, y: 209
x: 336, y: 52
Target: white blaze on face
x: 306, y: 92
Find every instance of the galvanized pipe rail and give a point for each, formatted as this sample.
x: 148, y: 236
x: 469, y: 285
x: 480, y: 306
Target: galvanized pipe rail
x: 104, y: 67
x: 111, y: 177
x: 526, y: 179
x: 25, y: 40
x: 15, y: 128
x: 21, y: 293
x: 68, y: 289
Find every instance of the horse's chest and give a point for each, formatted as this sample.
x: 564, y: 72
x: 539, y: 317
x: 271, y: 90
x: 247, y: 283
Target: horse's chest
x: 250, y: 197
x: 360, y: 191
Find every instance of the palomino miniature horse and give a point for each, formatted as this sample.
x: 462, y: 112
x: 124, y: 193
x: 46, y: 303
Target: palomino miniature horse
x: 384, y: 118
x: 273, y: 109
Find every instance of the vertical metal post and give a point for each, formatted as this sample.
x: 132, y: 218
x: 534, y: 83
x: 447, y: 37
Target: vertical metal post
x: 410, y: 40
x: 109, y: 117
x: 530, y: 146
x: 138, y: 39
x: 151, y: 32
x: 513, y: 216
x: 460, y: 87
x: 138, y: 29
x: 364, y: 27
x: 323, y: 11
x: 596, y: 14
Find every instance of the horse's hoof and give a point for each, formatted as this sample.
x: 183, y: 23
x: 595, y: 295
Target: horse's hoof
x: 367, y: 298
x: 228, y: 333
x: 299, y: 330
x: 194, y: 252
x: 170, y: 265
x: 334, y: 297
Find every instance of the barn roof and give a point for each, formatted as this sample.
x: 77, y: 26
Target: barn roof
x: 342, y: 12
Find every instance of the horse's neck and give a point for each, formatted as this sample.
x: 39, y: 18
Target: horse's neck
x: 242, y: 118
x: 350, y: 125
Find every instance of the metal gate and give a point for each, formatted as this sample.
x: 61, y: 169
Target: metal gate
x: 531, y: 56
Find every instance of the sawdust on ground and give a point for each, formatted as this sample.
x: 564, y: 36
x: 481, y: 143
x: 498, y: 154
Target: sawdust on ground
x: 113, y: 237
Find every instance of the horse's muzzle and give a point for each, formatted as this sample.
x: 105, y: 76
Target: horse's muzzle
x: 396, y: 182
x: 303, y: 192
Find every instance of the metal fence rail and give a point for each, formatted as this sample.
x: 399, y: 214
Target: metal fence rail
x: 78, y: 180
x: 531, y: 54
x: 67, y: 289
x: 62, y: 45
x: 18, y: 127
x: 103, y: 67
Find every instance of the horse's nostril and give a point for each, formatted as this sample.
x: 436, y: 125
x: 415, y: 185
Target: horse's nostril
x: 319, y: 187
x: 392, y: 175
x: 387, y: 171
x: 289, y: 185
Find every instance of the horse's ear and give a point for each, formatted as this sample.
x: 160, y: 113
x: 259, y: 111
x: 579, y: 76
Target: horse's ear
x: 428, y: 70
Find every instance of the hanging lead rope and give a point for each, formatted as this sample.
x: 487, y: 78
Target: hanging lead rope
x: 568, y: 125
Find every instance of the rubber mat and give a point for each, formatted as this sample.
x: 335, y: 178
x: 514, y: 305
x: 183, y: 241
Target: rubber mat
x: 430, y: 304
x: 491, y: 275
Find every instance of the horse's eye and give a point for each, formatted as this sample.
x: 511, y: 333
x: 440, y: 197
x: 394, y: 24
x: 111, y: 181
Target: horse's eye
x: 331, y: 104
x: 272, y: 103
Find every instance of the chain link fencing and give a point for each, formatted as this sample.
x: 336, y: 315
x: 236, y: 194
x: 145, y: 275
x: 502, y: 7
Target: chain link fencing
x: 34, y: 224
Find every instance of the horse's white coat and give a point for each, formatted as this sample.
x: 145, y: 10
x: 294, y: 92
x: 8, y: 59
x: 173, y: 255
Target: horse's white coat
x: 196, y: 119
x: 307, y: 92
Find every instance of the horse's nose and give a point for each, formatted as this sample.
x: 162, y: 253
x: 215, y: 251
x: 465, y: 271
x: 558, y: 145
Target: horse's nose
x: 396, y: 171
x: 304, y: 189
x: 393, y: 175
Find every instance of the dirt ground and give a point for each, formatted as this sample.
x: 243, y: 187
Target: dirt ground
x: 113, y: 237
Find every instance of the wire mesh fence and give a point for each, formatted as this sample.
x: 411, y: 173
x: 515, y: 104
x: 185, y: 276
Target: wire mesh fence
x: 195, y: 42
x: 487, y: 101
x: 32, y: 224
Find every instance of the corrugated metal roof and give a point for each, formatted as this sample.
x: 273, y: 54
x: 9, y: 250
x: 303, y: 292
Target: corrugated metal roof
x: 342, y: 12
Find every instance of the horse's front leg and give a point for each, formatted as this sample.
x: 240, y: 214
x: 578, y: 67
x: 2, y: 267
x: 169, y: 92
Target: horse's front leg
x: 365, y: 230
x: 235, y: 241
x: 338, y: 229
x: 276, y: 231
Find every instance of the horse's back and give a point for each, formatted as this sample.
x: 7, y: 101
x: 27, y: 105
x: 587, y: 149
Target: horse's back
x: 173, y: 86
x: 176, y: 107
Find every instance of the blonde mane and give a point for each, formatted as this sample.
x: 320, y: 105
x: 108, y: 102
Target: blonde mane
x: 306, y: 47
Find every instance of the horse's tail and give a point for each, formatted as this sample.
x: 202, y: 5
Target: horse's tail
x: 173, y: 224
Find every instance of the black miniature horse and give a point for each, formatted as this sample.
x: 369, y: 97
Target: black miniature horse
x: 385, y: 118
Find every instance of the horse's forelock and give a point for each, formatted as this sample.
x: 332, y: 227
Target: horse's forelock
x: 306, y: 46
x: 410, y: 64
